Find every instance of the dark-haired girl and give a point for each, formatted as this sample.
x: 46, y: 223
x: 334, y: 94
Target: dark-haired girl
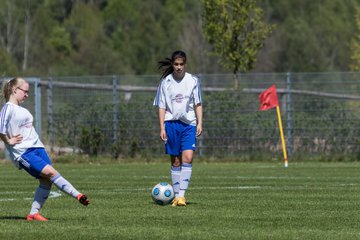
x: 180, y: 116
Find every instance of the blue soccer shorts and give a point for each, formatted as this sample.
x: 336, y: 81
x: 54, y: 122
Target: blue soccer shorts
x: 34, y: 160
x: 180, y: 137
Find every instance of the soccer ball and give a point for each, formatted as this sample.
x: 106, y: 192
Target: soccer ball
x: 162, y: 193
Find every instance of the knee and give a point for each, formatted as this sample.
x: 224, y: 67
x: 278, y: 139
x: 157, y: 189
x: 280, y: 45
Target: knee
x: 176, y: 162
x: 187, y: 157
x: 49, y: 172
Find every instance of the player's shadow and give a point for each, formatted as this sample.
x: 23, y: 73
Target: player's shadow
x: 12, y: 218
x: 187, y: 203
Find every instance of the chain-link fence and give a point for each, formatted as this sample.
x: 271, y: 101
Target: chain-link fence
x: 114, y: 115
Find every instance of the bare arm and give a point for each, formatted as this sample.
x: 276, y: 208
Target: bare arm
x: 199, y: 116
x: 11, y: 141
x: 162, y: 124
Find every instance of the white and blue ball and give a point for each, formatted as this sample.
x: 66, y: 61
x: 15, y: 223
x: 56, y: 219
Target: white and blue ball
x: 162, y: 193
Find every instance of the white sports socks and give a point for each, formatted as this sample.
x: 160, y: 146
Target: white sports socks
x: 41, y: 194
x: 64, y: 185
x: 175, y: 179
x: 185, y: 175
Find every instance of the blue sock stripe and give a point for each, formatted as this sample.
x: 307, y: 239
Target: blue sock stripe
x: 53, y: 179
x: 176, y: 169
x: 188, y: 165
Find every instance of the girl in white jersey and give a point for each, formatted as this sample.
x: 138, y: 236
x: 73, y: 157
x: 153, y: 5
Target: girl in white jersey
x: 180, y: 115
x: 26, y: 150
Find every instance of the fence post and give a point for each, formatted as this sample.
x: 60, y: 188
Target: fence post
x: 289, y: 114
x: 50, y: 112
x: 37, y: 90
x: 115, y: 114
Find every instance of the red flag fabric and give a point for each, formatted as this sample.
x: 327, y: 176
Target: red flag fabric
x: 268, y: 98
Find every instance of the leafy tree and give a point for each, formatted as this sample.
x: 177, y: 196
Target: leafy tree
x: 355, y: 45
x: 192, y: 41
x: 310, y: 55
x: 92, y: 50
x: 45, y: 38
x: 310, y: 35
x: 144, y: 31
x: 128, y: 37
x: 7, y: 66
x: 60, y: 42
x: 235, y: 30
x: 10, y: 23
x: 121, y: 19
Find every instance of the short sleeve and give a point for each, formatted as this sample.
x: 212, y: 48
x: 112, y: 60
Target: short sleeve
x: 197, y: 91
x: 4, y: 118
x: 159, y: 100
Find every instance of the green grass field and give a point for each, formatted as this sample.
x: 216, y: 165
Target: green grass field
x: 226, y: 201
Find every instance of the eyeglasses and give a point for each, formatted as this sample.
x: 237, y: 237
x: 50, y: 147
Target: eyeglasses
x: 25, y: 91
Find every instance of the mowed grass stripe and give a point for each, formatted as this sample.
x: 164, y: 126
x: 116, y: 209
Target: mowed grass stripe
x: 226, y: 201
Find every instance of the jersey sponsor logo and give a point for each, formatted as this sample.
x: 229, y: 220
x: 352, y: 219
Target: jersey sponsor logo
x: 179, y: 98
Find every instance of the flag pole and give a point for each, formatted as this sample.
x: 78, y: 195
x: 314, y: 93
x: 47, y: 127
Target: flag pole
x: 282, y: 136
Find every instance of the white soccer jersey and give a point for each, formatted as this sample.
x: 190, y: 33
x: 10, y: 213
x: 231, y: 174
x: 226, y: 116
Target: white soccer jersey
x: 14, y: 120
x: 179, y: 98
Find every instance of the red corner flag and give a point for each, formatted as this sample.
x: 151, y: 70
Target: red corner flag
x: 268, y: 98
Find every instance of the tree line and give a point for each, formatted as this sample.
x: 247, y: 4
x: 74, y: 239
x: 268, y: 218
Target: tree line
x: 105, y: 37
